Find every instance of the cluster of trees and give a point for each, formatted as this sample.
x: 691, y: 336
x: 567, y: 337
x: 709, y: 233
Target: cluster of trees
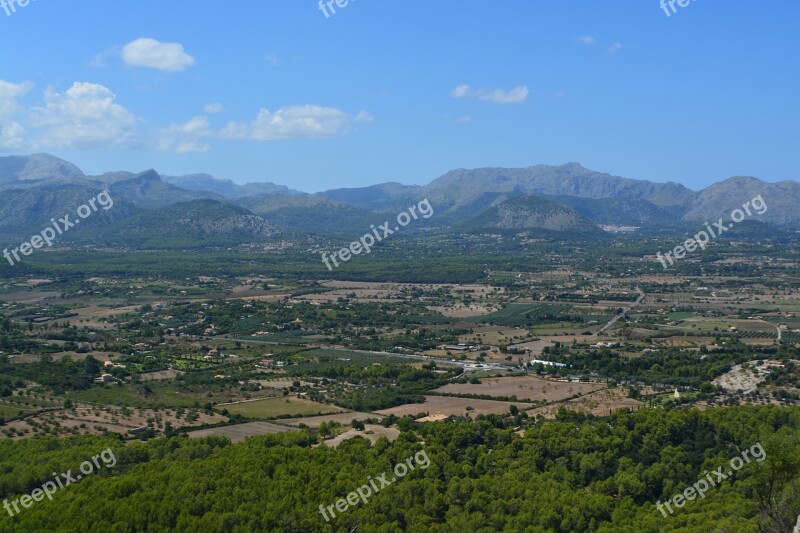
x: 12, y: 337
x: 60, y: 376
x: 672, y: 366
x: 575, y: 473
x: 382, y: 386
x: 339, y: 320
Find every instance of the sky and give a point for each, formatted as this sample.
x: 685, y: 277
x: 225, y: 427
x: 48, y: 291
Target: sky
x: 390, y: 90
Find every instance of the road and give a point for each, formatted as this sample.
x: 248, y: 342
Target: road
x: 622, y: 314
x: 780, y: 331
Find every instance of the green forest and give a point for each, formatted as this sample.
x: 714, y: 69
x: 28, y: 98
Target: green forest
x: 574, y: 473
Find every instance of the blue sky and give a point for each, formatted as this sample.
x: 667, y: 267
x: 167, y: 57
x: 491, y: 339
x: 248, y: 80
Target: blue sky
x: 404, y: 90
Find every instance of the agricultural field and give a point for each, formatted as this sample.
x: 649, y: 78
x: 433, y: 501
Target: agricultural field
x: 161, y: 393
x: 96, y: 421
x: 530, y: 388
x: 345, y: 418
x: 282, y: 407
x: 599, y: 403
x: 524, y: 315
x: 371, y: 432
x: 453, y: 407
x: 239, y: 432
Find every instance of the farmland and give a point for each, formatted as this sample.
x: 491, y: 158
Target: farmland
x: 279, y: 408
x: 528, y: 388
x: 453, y: 407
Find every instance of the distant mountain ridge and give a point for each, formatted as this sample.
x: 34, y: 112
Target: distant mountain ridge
x: 460, y: 194
x: 570, y: 179
x: 36, y: 167
x: 226, y: 187
x: 567, y: 198
x: 719, y: 199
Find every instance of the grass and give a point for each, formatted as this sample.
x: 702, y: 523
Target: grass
x: 523, y: 314
x: 315, y: 361
x: 10, y: 411
x: 280, y: 407
x: 163, y: 394
x: 107, y: 395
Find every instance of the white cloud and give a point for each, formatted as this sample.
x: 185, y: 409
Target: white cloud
x: 464, y: 119
x: 295, y: 122
x: 560, y: 94
x: 363, y: 116
x: 9, y: 92
x: 186, y: 137
x: 498, y: 96
x: 12, y: 136
x: 100, y: 60
x: 616, y: 47
x: 213, y: 108
x: 272, y: 59
x: 153, y: 54
x: 586, y: 39
x: 87, y: 116
x: 84, y: 117
x: 460, y: 92
x: 12, y: 133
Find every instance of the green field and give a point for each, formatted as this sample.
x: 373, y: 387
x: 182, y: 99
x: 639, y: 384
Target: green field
x: 524, y: 314
x: 680, y: 315
x: 282, y: 406
x: 9, y: 411
x: 162, y: 394
x: 314, y: 361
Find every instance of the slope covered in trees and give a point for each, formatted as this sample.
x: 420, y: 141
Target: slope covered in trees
x: 570, y: 474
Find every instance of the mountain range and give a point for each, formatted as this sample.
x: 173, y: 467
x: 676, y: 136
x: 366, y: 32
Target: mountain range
x: 568, y: 199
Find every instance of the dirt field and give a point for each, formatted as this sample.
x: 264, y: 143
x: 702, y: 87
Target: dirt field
x: 536, y: 347
x: 96, y: 421
x: 453, y: 406
x: 95, y: 314
x: 600, y: 403
x: 529, y: 388
x: 342, y: 418
x: 29, y: 297
x: 737, y: 378
x: 371, y: 432
x: 493, y: 335
x: 161, y: 375
x: 240, y: 432
x: 463, y: 311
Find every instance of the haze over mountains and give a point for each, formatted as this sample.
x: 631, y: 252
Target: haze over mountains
x: 567, y: 198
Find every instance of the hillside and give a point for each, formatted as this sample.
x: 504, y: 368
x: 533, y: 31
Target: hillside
x: 531, y: 213
x: 36, y: 167
x: 312, y: 214
x: 720, y: 199
x: 196, y: 223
